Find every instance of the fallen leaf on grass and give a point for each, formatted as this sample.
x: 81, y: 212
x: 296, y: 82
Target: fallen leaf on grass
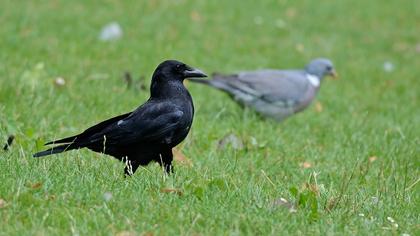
x: 36, y: 185
x: 232, y: 140
x: 181, y: 158
x: 33, y: 185
x: 172, y: 190
x: 305, y: 165
x: 3, y: 203
x: 318, y: 107
x: 373, y: 158
x: 50, y: 197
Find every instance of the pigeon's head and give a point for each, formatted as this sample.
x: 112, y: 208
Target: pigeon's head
x: 176, y: 70
x: 321, y: 67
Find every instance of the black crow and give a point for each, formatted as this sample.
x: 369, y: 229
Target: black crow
x: 148, y: 133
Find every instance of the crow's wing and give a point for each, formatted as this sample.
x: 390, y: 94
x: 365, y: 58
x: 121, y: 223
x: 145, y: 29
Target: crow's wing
x: 90, y: 131
x: 152, y: 122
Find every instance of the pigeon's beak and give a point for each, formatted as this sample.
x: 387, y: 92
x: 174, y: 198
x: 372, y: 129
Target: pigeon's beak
x: 191, y: 72
x: 333, y: 74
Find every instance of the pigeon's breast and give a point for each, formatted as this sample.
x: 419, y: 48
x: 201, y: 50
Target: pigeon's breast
x: 306, y: 99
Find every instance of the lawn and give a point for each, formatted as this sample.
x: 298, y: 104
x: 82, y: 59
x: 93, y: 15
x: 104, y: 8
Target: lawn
x: 350, y: 164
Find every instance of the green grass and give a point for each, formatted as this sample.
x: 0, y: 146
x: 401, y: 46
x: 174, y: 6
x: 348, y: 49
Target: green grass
x: 368, y: 112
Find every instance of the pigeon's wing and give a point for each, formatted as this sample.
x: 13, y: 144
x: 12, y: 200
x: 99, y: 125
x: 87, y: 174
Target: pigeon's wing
x: 275, y: 85
x: 152, y: 122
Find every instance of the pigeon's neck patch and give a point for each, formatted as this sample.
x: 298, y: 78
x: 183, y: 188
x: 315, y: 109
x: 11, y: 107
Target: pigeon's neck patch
x: 313, y: 79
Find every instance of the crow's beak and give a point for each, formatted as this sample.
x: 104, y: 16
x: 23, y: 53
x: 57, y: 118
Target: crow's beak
x: 333, y: 74
x: 194, y: 73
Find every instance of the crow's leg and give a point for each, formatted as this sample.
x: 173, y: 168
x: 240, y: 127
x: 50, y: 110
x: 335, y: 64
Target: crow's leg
x: 165, y: 161
x: 130, y: 166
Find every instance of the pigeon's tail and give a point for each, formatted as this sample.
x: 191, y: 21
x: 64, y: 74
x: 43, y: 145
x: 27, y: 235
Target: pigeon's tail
x: 201, y: 81
x: 55, y: 150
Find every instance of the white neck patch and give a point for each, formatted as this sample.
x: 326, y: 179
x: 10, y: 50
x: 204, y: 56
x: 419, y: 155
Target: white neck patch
x: 313, y: 79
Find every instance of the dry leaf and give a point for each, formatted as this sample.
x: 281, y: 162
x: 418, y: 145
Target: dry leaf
x: 318, y: 107
x: 373, y: 158
x: 50, y: 197
x: 181, y: 158
x: 171, y: 190
x: 36, y: 185
x: 3, y: 203
x: 305, y: 165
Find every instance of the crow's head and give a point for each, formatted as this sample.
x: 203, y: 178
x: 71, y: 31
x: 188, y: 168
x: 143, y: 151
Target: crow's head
x: 175, y: 70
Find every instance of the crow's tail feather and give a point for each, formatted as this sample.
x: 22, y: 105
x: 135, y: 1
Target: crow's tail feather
x: 64, y: 140
x: 55, y: 150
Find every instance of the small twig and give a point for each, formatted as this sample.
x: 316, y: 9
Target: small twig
x: 128, y: 79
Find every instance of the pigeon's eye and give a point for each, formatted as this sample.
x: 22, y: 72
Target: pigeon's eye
x: 329, y: 68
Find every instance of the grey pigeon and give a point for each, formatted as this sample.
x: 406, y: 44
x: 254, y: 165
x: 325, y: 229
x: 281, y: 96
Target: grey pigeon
x: 276, y: 94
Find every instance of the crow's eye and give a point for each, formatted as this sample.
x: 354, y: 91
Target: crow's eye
x: 178, y: 66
